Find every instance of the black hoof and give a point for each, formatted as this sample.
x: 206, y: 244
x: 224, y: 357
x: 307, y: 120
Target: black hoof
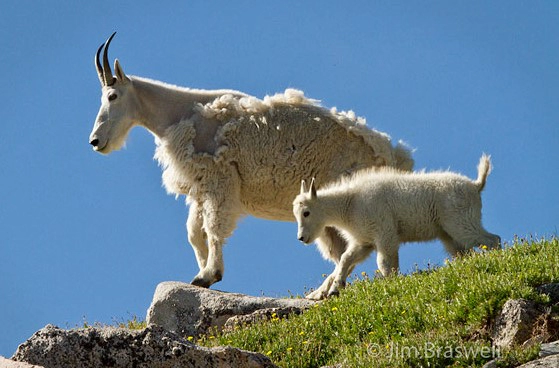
x: 333, y: 294
x: 218, y: 276
x: 200, y: 282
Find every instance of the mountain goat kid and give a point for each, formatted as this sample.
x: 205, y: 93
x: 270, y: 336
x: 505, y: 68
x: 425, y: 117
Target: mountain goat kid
x: 379, y: 208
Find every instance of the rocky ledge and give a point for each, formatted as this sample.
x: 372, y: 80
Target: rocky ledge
x: 152, y: 347
x: 180, y: 310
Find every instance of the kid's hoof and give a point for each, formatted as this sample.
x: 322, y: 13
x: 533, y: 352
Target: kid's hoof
x: 315, y: 296
x: 333, y: 293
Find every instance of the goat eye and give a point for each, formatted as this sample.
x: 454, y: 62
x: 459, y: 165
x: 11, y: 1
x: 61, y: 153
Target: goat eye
x: 306, y: 214
x: 112, y: 97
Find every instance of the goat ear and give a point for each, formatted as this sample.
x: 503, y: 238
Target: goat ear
x: 303, y: 186
x: 120, y: 76
x: 312, y: 189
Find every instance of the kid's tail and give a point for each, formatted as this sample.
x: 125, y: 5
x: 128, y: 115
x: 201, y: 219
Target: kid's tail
x: 483, y: 170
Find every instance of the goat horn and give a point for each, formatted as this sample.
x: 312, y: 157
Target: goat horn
x: 104, y: 72
x: 303, y: 187
x: 99, y: 67
x: 109, y: 79
x: 312, y: 189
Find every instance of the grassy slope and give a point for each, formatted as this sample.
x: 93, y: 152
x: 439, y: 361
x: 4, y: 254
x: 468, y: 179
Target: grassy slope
x: 436, y: 318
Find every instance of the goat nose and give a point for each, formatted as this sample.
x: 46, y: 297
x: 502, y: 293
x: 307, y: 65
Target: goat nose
x: 94, y: 142
x: 302, y: 238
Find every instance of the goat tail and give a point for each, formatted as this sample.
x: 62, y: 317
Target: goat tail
x: 483, y: 170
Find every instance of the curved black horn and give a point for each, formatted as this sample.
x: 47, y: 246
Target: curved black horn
x: 99, y: 67
x: 105, y: 74
x: 109, y: 79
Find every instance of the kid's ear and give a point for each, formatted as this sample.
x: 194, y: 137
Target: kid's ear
x: 312, y: 189
x: 303, y: 186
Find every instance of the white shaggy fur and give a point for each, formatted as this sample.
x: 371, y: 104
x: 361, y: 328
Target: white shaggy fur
x: 232, y: 154
x: 379, y: 208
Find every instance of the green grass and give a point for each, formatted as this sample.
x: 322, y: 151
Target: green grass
x: 132, y: 324
x: 434, y: 318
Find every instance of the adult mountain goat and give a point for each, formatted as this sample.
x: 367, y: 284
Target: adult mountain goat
x: 377, y: 209
x: 232, y: 154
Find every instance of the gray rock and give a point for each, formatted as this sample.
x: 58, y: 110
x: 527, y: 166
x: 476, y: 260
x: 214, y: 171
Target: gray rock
x: 516, y: 323
x: 152, y: 347
x: 192, y: 311
x: 551, y: 361
x: 491, y: 364
x: 8, y: 363
x: 548, y: 349
x: 259, y: 316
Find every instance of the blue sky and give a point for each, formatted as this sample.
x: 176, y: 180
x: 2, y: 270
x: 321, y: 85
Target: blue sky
x: 88, y: 236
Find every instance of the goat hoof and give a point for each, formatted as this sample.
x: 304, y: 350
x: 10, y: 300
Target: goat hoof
x: 206, y: 282
x: 333, y: 293
x: 201, y: 282
x: 218, y: 276
x: 315, y: 295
